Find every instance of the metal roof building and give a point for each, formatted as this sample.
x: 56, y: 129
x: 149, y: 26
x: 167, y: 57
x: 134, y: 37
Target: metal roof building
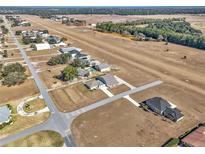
x: 195, y: 138
x: 4, y: 114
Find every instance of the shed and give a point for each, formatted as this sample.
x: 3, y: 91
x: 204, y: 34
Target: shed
x: 42, y: 46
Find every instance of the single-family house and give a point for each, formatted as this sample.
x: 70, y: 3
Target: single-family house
x: 93, y: 84
x: 42, y: 46
x: 94, y: 62
x: 109, y: 80
x: 103, y: 67
x: 173, y: 114
x: 53, y: 40
x: 72, y: 51
x: 83, y: 73
x: 157, y: 104
x: 83, y: 56
x: 164, y: 108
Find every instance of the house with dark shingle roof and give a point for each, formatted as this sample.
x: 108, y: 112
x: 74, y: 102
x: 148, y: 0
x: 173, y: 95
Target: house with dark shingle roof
x: 157, y: 104
x: 164, y: 108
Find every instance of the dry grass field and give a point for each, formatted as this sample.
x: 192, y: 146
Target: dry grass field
x: 139, y: 63
x: 122, y: 124
x: 48, y: 77
x: 75, y: 96
x: 21, y: 123
x: 40, y: 139
x: 28, y: 88
x: 119, y: 89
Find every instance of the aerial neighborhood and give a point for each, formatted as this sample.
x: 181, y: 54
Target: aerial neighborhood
x: 109, y: 78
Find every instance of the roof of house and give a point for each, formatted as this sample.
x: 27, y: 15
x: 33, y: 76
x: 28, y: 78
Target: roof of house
x: 4, y: 114
x: 108, y: 79
x: 93, y: 83
x: 42, y: 46
x: 158, y: 103
x: 70, y: 49
x: 174, y: 112
x: 103, y: 66
x: 196, y: 138
x: 82, y: 72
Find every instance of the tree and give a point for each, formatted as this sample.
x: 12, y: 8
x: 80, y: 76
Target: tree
x: 78, y: 63
x: 16, y: 67
x: 5, y: 54
x: 59, y: 59
x: 63, y: 39
x: 69, y: 73
x: 14, y: 78
x: 18, y: 32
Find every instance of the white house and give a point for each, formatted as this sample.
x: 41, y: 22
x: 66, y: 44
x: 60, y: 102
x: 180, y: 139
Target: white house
x: 42, y: 46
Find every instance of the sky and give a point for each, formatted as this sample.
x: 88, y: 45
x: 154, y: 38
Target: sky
x: 102, y: 2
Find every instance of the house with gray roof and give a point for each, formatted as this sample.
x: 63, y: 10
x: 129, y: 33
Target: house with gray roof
x: 72, y: 51
x: 109, y: 80
x: 173, y: 114
x: 83, y: 73
x: 164, y: 108
x: 157, y: 104
x: 5, y: 114
x: 103, y: 67
x: 93, y: 84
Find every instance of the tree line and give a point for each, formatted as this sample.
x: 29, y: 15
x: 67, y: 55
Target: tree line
x: 179, y: 32
x: 42, y: 11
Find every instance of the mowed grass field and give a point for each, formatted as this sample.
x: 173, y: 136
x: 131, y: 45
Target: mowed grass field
x: 39, y: 139
x: 75, y: 96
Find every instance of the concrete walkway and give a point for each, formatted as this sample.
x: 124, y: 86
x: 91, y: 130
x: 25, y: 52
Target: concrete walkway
x: 121, y: 81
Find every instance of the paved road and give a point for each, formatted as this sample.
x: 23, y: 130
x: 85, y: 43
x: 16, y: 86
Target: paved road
x: 58, y: 121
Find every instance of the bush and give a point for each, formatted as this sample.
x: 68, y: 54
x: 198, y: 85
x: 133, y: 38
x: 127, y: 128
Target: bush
x: 172, y: 142
x: 78, y: 63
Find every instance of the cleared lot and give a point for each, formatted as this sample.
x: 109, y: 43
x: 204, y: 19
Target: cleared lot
x: 40, y: 139
x: 28, y: 88
x: 75, y: 96
x: 122, y: 124
x: 48, y: 77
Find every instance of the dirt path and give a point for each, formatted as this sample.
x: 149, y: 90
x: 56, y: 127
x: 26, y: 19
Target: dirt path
x: 161, y: 67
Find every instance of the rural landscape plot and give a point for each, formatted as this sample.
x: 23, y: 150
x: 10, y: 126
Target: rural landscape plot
x: 102, y: 80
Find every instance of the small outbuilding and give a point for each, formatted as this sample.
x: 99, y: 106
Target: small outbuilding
x: 42, y: 46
